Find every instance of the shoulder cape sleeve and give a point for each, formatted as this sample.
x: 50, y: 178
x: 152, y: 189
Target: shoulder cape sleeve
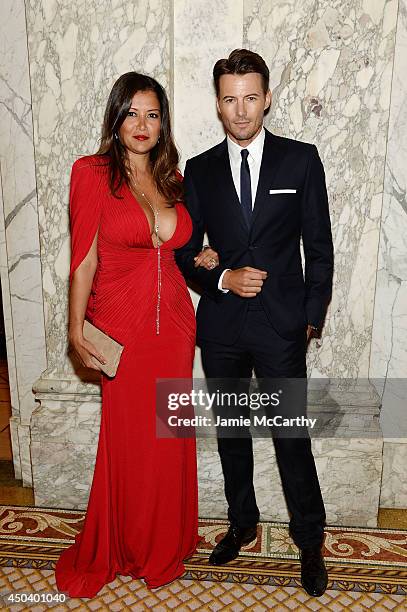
x: 84, y: 210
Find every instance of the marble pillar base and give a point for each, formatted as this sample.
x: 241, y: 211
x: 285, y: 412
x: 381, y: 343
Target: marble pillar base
x: 64, y: 435
x: 394, y: 485
x: 349, y: 473
x: 349, y: 463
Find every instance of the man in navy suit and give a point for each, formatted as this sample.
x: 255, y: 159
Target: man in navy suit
x: 256, y: 195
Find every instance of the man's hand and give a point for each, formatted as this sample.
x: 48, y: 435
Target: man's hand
x: 246, y: 282
x: 312, y: 332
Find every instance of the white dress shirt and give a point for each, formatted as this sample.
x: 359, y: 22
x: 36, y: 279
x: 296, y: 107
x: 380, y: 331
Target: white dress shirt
x: 254, y: 158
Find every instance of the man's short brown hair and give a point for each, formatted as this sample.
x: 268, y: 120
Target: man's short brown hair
x: 241, y: 61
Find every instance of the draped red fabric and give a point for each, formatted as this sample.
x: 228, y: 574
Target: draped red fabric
x: 142, y: 515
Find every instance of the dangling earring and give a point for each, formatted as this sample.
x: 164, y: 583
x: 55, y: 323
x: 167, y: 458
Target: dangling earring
x: 116, y: 136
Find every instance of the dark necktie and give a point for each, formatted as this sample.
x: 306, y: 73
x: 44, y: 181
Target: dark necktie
x: 245, y: 187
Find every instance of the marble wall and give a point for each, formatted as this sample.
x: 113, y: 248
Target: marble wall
x: 20, y: 263
x: 331, y: 78
x: 331, y: 66
x: 331, y: 75
x: 76, y: 52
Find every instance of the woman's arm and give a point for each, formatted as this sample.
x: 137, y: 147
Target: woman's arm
x: 81, y: 285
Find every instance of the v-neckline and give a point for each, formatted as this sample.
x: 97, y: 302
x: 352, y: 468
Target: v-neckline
x: 147, y: 222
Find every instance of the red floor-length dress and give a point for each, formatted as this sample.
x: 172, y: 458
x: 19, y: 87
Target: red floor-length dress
x: 142, y: 517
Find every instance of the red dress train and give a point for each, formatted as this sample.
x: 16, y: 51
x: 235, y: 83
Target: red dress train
x: 142, y: 515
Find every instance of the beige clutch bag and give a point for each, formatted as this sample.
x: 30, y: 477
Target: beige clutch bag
x: 111, y: 349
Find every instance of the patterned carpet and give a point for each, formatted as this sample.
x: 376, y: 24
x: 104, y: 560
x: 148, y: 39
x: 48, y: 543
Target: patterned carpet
x: 367, y: 569
x: 184, y: 595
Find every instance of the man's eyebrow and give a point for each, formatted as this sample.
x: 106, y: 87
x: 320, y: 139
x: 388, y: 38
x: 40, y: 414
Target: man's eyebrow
x: 246, y: 95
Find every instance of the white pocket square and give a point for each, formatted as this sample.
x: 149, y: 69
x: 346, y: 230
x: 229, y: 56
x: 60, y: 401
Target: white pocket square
x: 273, y: 191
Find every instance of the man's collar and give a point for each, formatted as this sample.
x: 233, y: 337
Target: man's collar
x: 255, y: 148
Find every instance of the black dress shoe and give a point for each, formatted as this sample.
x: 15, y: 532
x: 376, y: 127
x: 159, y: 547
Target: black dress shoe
x: 228, y: 548
x: 314, y: 577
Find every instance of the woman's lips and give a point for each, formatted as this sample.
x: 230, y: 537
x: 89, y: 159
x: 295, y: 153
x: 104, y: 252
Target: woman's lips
x: 141, y: 137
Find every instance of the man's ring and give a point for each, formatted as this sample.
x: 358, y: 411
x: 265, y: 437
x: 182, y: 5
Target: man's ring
x: 212, y: 263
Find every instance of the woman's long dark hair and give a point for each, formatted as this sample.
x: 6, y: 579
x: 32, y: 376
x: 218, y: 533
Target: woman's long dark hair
x: 164, y: 156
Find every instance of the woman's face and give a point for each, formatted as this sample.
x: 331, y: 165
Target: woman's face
x: 140, y: 130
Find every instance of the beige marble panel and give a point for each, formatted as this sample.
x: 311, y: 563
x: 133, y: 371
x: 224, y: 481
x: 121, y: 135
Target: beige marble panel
x: 394, y: 484
x: 201, y: 37
x: 64, y: 437
x: 331, y: 69
x: 77, y: 50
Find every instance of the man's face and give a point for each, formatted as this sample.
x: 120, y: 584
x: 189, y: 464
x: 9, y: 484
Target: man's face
x: 241, y: 104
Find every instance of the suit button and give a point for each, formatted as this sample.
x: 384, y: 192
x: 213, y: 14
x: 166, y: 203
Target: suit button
x: 252, y: 247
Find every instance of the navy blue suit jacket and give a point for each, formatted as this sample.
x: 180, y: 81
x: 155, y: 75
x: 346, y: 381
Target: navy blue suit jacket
x: 292, y: 297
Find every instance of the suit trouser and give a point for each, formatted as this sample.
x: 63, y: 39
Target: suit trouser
x: 261, y: 349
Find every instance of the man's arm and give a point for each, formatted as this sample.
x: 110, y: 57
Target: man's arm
x: 317, y: 242
x: 207, y: 279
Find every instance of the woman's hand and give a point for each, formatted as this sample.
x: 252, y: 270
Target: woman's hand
x: 207, y: 258
x: 86, y: 353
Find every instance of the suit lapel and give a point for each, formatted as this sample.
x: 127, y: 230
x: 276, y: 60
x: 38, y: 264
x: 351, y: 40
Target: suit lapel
x: 225, y: 186
x: 270, y: 163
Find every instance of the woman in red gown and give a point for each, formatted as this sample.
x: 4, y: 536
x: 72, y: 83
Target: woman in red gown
x: 142, y: 516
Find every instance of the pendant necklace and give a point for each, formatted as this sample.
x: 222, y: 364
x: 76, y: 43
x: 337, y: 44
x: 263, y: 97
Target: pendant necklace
x: 158, y: 241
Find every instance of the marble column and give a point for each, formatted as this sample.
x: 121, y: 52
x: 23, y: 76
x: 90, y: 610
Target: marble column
x: 77, y: 50
x: 388, y: 361
x: 19, y: 241
x: 201, y: 36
